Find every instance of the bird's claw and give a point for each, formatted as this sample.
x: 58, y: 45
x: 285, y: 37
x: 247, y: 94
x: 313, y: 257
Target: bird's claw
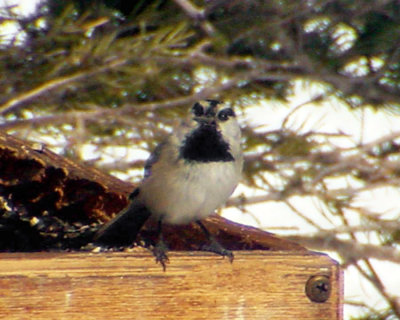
x: 215, y: 247
x: 160, y: 253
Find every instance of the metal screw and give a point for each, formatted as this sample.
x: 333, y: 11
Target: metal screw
x: 318, y: 288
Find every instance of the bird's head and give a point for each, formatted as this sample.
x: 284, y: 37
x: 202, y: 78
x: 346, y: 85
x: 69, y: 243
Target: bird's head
x: 213, y: 135
x: 218, y: 114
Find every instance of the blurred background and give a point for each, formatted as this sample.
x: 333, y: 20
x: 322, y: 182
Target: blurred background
x: 315, y: 85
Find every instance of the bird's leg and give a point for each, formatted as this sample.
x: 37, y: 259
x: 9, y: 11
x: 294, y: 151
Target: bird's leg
x: 160, y: 249
x: 213, y: 245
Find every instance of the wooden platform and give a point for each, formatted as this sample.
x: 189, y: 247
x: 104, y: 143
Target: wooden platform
x: 257, y: 285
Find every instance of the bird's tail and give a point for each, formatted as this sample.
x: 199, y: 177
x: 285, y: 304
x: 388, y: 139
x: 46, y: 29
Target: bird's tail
x: 123, y: 229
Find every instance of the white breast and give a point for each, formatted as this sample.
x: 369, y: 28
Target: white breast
x: 189, y: 192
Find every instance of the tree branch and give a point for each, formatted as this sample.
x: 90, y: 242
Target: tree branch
x: 12, y: 104
x: 350, y: 250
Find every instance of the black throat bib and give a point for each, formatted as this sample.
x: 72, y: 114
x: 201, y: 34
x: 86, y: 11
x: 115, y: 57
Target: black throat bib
x: 205, y: 144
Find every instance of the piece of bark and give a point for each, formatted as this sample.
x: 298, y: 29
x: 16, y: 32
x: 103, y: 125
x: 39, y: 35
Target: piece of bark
x: 50, y: 202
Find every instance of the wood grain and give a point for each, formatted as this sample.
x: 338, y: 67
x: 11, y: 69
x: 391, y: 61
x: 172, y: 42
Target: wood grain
x: 257, y: 285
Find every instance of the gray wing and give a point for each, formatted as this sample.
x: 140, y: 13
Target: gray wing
x: 169, y: 141
x: 154, y: 156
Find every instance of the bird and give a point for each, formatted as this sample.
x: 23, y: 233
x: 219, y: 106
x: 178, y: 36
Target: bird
x: 187, y: 177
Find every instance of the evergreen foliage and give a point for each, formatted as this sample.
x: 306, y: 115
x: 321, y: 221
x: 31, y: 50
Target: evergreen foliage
x: 114, y: 73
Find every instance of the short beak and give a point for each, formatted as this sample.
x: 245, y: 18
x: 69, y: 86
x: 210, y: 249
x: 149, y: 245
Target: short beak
x: 205, y: 121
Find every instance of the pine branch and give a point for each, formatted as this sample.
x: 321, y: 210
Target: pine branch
x: 45, y: 88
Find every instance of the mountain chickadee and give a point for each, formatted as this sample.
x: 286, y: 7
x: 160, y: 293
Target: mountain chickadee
x: 187, y: 177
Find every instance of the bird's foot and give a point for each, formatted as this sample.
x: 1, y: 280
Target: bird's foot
x: 215, y: 247
x: 160, y: 253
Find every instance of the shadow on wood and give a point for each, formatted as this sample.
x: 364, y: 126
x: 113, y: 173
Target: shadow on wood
x: 50, y: 202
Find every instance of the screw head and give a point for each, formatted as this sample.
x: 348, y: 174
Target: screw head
x: 318, y: 288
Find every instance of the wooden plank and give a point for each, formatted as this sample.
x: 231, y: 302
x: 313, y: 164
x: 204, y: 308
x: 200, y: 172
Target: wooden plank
x: 257, y: 285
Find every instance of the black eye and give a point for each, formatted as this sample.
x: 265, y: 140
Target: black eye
x: 198, y: 109
x: 224, y: 114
